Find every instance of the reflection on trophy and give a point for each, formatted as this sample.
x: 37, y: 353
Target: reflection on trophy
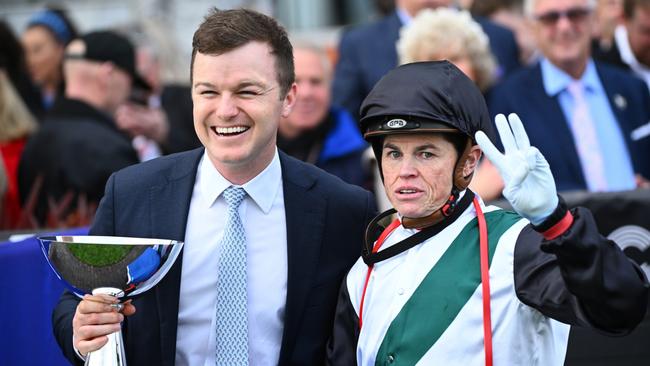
x: 118, y: 266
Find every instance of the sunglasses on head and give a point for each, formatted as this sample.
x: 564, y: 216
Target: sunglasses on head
x: 574, y: 15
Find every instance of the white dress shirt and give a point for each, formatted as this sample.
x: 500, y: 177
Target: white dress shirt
x: 263, y: 216
x: 627, y: 55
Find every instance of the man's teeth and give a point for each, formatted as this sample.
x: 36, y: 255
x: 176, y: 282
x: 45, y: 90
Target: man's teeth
x: 230, y: 130
x: 407, y: 191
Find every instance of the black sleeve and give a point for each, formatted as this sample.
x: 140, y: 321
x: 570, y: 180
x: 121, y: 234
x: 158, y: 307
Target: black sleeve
x: 342, y: 346
x: 580, y: 278
x: 62, y: 325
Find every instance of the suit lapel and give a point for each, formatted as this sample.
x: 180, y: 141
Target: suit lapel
x: 170, y: 203
x: 305, y: 215
x: 617, y: 102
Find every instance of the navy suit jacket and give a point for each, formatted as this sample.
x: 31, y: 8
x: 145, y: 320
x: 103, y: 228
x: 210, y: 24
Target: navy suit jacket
x: 523, y: 93
x: 325, y: 219
x: 368, y: 52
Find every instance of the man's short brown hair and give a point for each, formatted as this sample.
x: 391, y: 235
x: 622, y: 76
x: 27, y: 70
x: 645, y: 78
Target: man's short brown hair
x: 224, y: 30
x: 630, y: 6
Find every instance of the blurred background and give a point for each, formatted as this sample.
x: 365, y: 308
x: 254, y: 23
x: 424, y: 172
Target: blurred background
x: 172, y: 22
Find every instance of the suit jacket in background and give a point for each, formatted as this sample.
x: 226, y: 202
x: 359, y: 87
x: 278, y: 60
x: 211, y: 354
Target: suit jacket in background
x: 523, y: 93
x: 325, y: 219
x: 75, y: 150
x: 610, y: 55
x: 368, y: 52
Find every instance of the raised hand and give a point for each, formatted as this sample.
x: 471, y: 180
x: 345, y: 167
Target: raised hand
x: 529, y: 184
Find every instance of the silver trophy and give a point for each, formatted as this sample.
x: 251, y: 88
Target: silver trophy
x: 118, y: 266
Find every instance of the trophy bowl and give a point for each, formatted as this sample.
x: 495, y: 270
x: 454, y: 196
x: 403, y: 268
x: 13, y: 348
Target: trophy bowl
x: 123, y: 267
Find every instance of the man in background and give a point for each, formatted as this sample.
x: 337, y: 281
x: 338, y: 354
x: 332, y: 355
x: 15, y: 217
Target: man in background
x: 79, y: 145
x: 579, y: 113
x: 159, y: 121
x: 315, y: 131
x: 631, y: 47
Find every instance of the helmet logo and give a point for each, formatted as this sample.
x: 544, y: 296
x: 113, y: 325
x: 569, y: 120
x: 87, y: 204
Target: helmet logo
x: 396, y: 123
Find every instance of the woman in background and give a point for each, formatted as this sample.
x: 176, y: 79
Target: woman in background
x: 16, y: 125
x: 48, y: 33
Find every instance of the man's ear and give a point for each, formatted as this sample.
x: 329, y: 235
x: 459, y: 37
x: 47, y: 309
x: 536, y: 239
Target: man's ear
x: 472, y: 160
x: 289, y: 101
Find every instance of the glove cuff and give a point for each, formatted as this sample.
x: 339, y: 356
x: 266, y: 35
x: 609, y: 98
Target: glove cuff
x: 556, y: 223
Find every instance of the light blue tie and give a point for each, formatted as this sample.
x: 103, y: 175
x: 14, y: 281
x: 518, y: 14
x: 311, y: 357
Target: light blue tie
x: 232, y: 317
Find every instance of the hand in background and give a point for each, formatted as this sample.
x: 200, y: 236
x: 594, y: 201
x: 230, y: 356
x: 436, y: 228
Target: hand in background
x: 642, y: 182
x: 141, y: 120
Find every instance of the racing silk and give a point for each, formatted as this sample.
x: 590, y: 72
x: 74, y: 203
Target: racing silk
x: 424, y: 306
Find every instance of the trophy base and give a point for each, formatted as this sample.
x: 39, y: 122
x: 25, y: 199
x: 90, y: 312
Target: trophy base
x: 112, y: 353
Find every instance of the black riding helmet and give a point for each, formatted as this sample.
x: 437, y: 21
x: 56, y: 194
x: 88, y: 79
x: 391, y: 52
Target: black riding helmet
x: 426, y: 97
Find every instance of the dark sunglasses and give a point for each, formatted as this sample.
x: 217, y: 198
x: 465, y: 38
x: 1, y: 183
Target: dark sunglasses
x: 574, y: 15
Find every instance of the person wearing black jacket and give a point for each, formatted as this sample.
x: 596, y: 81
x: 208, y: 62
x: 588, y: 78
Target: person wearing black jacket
x: 79, y: 146
x: 451, y: 280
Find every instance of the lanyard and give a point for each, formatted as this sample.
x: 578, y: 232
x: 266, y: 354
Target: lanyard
x: 485, y: 277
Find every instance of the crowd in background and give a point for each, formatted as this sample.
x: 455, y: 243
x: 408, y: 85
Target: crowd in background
x: 71, y: 113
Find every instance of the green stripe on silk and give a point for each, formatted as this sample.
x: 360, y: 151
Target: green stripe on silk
x: 442, y: 294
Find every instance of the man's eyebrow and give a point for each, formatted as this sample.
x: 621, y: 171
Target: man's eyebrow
x: 427, y: 146
x: 242, y: 84
x: 203, y: 83
x: 418, y: 148
x: 247, y: 83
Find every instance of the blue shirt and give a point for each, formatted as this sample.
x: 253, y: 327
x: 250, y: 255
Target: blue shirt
x: 616, y: 158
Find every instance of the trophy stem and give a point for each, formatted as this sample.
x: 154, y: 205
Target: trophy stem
x: 112, y: 353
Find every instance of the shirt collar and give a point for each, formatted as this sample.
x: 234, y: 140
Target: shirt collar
x: 403, y: 16
x: 263, y: 188
x: 556, y: 80
x: 623, y: 44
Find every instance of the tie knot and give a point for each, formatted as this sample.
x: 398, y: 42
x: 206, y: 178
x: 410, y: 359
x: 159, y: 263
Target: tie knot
x: 234, y: 196
x: 576, y: 88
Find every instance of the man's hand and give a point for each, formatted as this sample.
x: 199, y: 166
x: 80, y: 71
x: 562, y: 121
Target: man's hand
x: 529, y: 184
x: 95, y: 318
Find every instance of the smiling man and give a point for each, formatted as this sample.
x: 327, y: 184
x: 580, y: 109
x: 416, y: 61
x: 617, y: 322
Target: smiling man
x: 316, y: 131
x: 631, y: 47
x: 452, y: 281
x: 267, y: 238
x: 579, y: 113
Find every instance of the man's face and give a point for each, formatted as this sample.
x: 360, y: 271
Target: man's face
x: 638, y: 30
x: 312, y: 93
x: 564, y: 40
x: 237, y: 107
x: 417, y: 172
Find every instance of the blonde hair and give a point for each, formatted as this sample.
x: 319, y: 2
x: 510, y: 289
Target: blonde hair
x: 15, y: 119
x: 444, y: 30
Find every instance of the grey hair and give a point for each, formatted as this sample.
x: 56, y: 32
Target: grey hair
x: 434, y: 31
x: 320, y: 51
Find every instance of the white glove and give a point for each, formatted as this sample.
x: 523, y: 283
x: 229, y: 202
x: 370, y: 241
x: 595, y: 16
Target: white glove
x: 529, y: 184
